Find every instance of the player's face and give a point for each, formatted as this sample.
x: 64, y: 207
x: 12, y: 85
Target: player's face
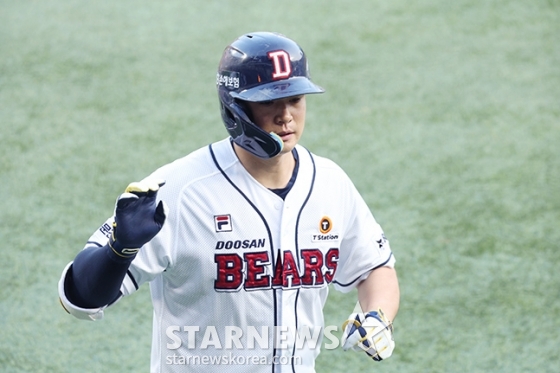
x: 285, y: 117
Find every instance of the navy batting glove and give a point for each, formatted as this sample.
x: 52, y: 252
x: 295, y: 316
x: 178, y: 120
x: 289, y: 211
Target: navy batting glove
x: 137, y: 218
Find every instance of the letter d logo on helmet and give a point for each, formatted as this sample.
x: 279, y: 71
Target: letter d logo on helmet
x: 281, y: 63
x: 260, y: 66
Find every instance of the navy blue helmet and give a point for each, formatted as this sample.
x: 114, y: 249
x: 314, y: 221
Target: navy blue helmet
x: 260, y: 66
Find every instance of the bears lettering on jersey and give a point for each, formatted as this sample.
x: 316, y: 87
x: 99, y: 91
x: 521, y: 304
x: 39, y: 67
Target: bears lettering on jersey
x: 251, y: 270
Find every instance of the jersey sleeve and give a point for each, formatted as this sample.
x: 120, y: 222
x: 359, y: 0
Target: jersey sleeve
x: 98, y: 239
x: 143, y: 268
x: 364, y: 246
x: 91, y: 314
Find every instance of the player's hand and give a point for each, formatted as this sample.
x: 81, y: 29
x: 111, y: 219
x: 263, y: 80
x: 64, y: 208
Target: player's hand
x: 370, y: 332
x: 137, y: 217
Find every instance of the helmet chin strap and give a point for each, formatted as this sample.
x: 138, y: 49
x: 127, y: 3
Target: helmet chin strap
x: 278, y: 140
x: 249, y: 136
x: 258, y: 142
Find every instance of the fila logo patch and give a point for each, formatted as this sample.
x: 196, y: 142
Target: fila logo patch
x: 281, y: 63
x: 222, y: 223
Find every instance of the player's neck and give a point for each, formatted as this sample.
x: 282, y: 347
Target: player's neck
x: 273, y: 173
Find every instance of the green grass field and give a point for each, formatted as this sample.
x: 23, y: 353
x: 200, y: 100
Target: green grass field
x: 446, y: 114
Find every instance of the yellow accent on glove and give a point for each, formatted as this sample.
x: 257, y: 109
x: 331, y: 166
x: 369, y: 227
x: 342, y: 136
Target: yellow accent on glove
x: 371, y: 333
x: 144, y: 186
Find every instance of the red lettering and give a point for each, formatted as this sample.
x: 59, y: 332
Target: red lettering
x: 290, y: 275
x: 256, y: 275
x: 286, y: 271
x: 277, y: 279
x: 313, y: 261
x: 331, y: 262
x: 251, y: 270
x: 229, y: 272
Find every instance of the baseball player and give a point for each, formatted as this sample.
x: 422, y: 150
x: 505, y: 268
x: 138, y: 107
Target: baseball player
x: 240, y: 239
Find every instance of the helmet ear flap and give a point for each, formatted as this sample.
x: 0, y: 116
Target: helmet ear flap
x: 230, y: 115
x: 245, y: 133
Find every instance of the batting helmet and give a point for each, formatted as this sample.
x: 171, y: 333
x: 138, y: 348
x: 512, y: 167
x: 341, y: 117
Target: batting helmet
x: 260, y: 66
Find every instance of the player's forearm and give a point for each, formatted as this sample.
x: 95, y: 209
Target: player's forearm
x: 380, y: 290
x: 95, y: 277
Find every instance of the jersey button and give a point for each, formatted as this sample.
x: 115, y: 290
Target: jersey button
x: 278, y: 205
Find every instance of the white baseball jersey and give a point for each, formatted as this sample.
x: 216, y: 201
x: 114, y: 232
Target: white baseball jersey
x: 237, y: 274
